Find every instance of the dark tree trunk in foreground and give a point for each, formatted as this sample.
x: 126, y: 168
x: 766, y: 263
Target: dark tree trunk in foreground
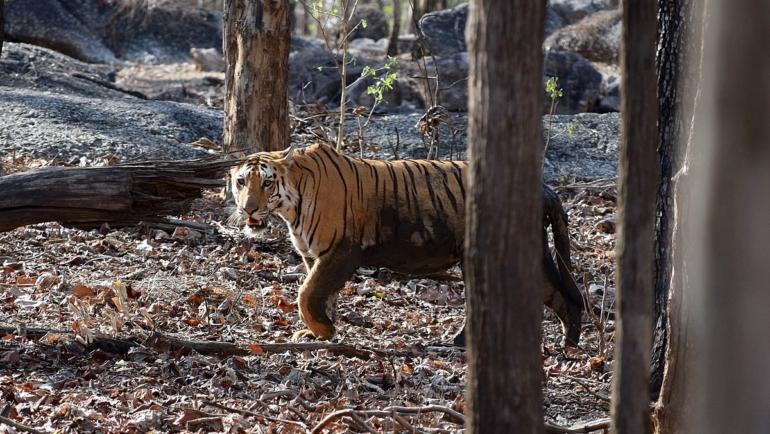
x: 257, y: 36
x: 674, y: 407
x: 504, y: 133
x: 731, y: 214
x: 669, y: 66
x: 638, y: 167
x: 127, y: 193
x: 675, y: 48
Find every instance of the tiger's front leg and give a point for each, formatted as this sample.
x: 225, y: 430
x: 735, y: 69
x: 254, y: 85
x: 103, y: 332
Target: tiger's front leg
x: 318, y: 295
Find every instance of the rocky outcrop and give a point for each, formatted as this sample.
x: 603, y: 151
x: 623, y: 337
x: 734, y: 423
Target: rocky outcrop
x: 580, y: 82
x: 610, y: 101
x: 596, y: 37
x: 104, y: 32
x: 572, y: 11
x: 582, y: 147
x: 57, y: 107
x: 48, y: 24
x: 376, y: 26
x: 207, y: 59
x: 314, y: 77
x: 453, y: 81
x: 444, y: 31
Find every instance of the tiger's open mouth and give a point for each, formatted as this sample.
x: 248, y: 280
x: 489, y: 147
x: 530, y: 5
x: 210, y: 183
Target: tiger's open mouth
x: 255, y: 225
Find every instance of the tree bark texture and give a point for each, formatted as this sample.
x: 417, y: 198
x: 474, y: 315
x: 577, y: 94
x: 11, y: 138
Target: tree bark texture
x: 733, y: 221
x: 675, y: 404
x: 638, y: 178
x: 126, y: 193
x: 393, y: 45
x: 676, y: 48
x: 257, y: 36
x: 669, y: 66
x: 503, y: 228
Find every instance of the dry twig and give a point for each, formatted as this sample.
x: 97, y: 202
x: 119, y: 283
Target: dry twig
x: 587, y: 427
x: 387, y: 412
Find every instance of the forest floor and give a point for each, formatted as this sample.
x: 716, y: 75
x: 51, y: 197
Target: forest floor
x: 90, y: 321
x: 142, y: 328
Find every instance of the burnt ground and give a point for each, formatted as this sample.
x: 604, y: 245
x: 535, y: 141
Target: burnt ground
x: 79, y: 306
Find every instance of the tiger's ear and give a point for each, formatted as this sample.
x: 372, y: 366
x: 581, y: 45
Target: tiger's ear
x: 287, y: 156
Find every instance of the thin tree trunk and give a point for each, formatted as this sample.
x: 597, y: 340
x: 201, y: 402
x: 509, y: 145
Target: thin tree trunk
x: 301, y: 19
x: 732, y: 214
x: 257, y: 38
x: 638, y: 166
x: 504, y: 362
x: 393, y: 45
x: 2, y: 25
x: 434, y: 5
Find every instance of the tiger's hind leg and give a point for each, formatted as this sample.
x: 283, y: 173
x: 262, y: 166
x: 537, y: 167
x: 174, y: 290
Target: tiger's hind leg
x: 318, y: 295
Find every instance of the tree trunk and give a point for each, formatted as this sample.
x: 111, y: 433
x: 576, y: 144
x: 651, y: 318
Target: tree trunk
x: 434, y: 5
x: 256, y: 38
x: 504, y: 362
x: 675, y: 402
x: 393, y: 45
x: 731, y: 214
x: 2, y: 25
x: 127, y: 193
x: 301, y: 19
x: 675, y: 34
x: 638, y: 166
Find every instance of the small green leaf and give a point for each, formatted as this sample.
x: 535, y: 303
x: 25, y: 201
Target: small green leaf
x: 364, y: 23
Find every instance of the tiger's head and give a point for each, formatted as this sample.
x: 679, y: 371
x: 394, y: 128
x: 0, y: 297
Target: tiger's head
x: 260, y: 188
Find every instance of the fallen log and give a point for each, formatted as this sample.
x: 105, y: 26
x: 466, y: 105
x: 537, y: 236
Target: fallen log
x: 126, y: 193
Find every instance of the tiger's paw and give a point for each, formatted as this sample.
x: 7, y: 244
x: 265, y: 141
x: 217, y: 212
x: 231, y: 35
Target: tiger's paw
x: 305, y: 333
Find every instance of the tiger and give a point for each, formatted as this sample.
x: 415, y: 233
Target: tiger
x: 408, y: 216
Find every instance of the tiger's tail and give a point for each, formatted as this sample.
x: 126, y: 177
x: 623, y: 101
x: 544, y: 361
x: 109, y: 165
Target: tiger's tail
x: 555, y: 217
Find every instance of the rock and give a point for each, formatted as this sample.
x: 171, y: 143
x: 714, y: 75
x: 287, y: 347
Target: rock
x: 553, y: 21
x: 376, y: 24
x: 582, y: 147
x: 146, y: 32
x: 207, y: 59
x: 579, y: 80
x: 596, y: 37
x: 572, y: 11
x: 99, y: 31
x: 453, y: 77
x: 302, y: 43
x: 359, y: 96
x: 57, y: 107
x: 444, y: 31
x: 48, y: 24
x: 369, y: 46
x: 581, y: 84
x: 610, y: 101
x: 314, y: 77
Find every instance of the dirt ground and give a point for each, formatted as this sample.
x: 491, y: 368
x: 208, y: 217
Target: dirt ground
x: 92, y: 321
